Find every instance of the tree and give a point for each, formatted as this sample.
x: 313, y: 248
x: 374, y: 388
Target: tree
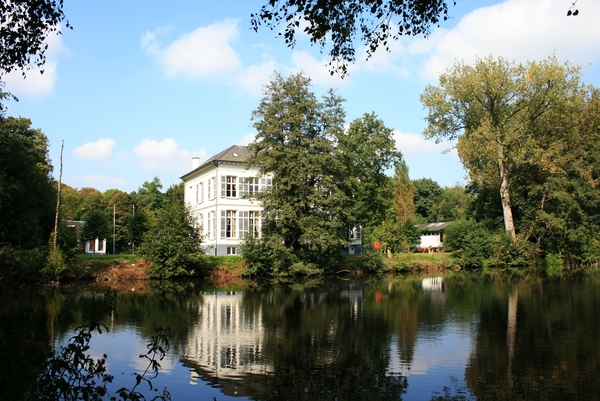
x: 404, y: 194
x: 172, y: 242
x: 27, y: 191
x: 96, y: 226
x: 121, y: 204
x: 24, y: 29
x: 307, y: 212
x: 494, y: 108
x: 370, y: 150
x: 340, y: 21
x: 454, y: 204
x: 428, y: 193
x: 149, y: 197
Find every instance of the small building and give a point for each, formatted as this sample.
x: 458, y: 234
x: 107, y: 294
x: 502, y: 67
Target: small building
x: 432, y: 236
x: 220, y: 195
x: 97, y: 246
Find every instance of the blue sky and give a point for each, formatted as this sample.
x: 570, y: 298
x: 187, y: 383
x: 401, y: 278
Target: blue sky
x: 138, y: 88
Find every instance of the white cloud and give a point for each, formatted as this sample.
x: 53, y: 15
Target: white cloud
x: 99, y: 150
x: 204, y: 52
x: 414, y: 144
x: 520, y: 30
x: 101, y: 181
x: 165, y: 155
x: 37, y: 83
x: 246, y: 140
x: 255, y: 77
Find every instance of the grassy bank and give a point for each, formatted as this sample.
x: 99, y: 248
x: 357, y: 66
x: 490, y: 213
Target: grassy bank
x: 222, y: 268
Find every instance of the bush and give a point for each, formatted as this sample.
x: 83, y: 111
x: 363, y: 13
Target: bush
x: 373, y: 262
x: 512, y: 252
x: 470, y: 243
x: 17, y: 265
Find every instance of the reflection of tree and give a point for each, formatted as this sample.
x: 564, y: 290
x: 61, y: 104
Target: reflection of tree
x: 551, y: 353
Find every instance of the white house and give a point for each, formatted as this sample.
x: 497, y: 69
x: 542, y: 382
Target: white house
x: 97, y: 246
x: 219, y: 192
x: 432, y: 235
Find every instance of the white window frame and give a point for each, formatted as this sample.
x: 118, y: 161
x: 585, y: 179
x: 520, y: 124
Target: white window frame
x: 228, y: 223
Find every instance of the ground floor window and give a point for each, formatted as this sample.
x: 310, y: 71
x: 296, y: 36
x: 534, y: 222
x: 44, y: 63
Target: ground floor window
x: 249, y: 222
x: 228, y: 223
x: 231, y: 250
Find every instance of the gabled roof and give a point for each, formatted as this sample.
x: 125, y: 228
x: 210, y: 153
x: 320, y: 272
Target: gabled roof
x: 434, y: 227
x: 233, y: 154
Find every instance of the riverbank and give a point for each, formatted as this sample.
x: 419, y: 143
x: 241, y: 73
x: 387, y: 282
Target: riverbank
x: 220, y: 269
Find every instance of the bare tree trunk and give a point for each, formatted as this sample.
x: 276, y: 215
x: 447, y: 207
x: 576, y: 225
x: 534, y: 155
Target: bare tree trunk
x: 509, y: 224
x: 58, y: 198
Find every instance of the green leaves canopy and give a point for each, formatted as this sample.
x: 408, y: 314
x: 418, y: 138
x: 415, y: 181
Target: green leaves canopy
x: 307, y: 211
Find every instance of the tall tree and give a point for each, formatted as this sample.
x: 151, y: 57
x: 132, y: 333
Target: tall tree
x: 493, y: 108
x: 27, y: 191
x: 340, y: 21
x: 96, y: 226
x: 370, y: 150
x: 121, y: 204
x: 404, y: 194
x: 307, y: 210
x: 149, y: 196
x: 428, y: 194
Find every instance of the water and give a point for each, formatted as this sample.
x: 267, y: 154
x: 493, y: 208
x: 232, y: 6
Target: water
x: 460, y: 337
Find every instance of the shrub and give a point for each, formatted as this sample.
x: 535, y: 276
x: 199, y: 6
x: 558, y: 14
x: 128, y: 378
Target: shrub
x: 373, y: 262
x: 470, y: 243
x: 512, y: 252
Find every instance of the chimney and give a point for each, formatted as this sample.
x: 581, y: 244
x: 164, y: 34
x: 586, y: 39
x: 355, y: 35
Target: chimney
x: 195, y: 163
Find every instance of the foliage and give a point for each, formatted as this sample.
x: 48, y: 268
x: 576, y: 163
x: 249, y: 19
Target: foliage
x: 121, y: 204
x: 370, y: 150
x: 508, y: 252
x: 373, y: 262
x: 258, y: 257
x: 470, y: 243
x: 25, y: 27
x: 27, y: 192
x: 454, y: 204
x: 55, y: 265
x: 149, y: 197
x: 428, y: 194
x: 404, y: 193
x: 96, y: 226
x: 496, y: 109
x: 307, y: 212
x: 172, y: 242
x: 71, y: 374
x: 340, y: 21
x: 21, y: 265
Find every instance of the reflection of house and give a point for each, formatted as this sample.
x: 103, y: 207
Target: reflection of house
x: 227, y: 342
x: 97, y: 246
x: 432, y: 235
x: 219, y: 192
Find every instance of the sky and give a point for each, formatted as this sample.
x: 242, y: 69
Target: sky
x: 138, y: 88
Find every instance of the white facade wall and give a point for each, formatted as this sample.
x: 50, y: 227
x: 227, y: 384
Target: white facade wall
x: 216, y: 196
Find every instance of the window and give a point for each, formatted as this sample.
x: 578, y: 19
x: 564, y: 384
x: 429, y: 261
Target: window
x: 231, y: 250
x: 211, y: 225
x: 354, y: 234
x: 228, y: 223
x: 210, y: 189
x: 229, y: 186
x: 199, y: 193
x: 199, y: 223
x: 265, y: 182
x: 248, y: 186
x: 249, y: 222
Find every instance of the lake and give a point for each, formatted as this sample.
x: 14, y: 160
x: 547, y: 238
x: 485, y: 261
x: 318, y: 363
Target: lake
x: 461, y: 336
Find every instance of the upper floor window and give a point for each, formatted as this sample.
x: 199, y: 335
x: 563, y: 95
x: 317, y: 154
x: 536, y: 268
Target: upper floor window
x: 199, y: 193
x: 354, y: 234
x: 229, y: 186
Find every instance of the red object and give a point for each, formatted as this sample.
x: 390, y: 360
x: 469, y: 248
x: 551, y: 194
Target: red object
x: 378, y: 296
x: 377, y: 245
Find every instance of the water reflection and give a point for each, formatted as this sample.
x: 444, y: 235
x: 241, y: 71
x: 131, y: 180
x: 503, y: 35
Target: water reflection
x: 461, y: 336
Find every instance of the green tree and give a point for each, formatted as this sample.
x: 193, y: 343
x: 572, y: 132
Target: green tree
x: 70, y: 202
x: 428, y: 194
x: 308, y: 210
x: 121, y: 205
x: 454, y: 204
x: 172, y: 242
x: 340, y: 21
x: 96, y: 226
x: 494, y: 108
x: 27, y: 191
x: 370, y: 150
x: 404, y: 194
x: 149, y: 196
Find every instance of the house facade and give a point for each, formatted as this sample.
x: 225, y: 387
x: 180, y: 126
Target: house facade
x: 97, y: 246
x: 220, y: 195
x: 432, y: 236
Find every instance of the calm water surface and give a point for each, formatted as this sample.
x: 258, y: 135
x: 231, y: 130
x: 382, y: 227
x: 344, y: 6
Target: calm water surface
x: 460, y: 337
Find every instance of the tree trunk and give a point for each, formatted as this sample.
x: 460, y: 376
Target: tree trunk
x: 509, y: 224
